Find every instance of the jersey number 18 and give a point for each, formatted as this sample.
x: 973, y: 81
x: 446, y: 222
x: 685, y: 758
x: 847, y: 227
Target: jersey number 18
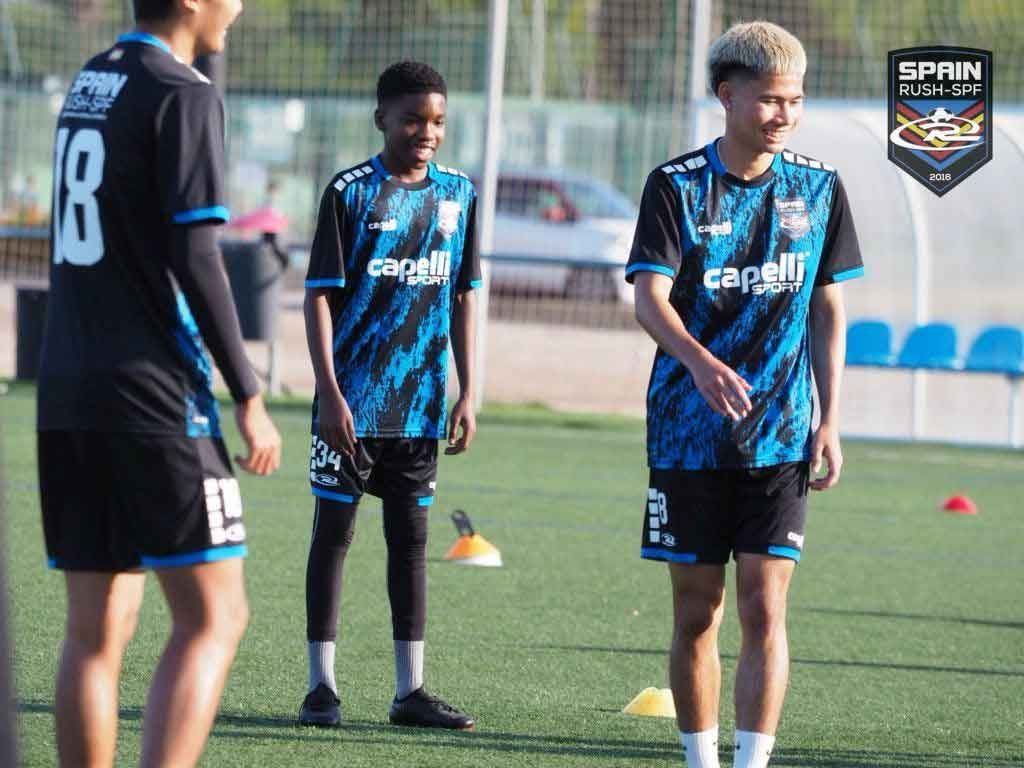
x: 78, y: 169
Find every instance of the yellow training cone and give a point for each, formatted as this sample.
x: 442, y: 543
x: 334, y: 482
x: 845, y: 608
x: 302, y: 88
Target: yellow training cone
x: 471, y: 548
x: 474, y: 550
x: 652, y: 702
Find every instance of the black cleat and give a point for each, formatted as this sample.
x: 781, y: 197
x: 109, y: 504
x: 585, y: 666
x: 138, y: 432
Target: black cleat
x: 428, y: 711
x: 320, y: 708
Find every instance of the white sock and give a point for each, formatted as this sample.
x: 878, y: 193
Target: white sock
x: 321, y: 665
x: 408, y: 667
x: 753, y: 749
x: 701, y: 748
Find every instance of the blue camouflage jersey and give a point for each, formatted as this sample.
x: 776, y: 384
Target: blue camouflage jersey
x: 745, y: 257
x: 397, y: 253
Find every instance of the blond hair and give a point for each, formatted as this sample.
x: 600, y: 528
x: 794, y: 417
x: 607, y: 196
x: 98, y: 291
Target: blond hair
x: 753, y: 49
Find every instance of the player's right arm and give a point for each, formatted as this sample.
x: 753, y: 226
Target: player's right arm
x: 199, y: 269
x: 324, y: 278
x: 654, y: 262
x: 336, y: 426
x: 723, y: 389
x: 190, y: 165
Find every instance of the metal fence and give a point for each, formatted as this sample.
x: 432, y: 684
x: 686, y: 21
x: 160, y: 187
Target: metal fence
x: 600, y: 88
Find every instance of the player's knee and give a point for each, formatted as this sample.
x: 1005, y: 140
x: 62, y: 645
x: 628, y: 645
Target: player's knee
x: 761, y: 616
x: 224, y: 618
x: 239, y: 618
x: 127, y: 621
x: 230, y: 618
x: 698, y: 618
x: 228, y: 621
x: 405, y: 530
x: 109, y: 631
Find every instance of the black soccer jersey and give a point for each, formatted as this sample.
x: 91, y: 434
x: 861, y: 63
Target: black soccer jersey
x: 397, y: 253
x: 745, y: 257
x: 139, y: 150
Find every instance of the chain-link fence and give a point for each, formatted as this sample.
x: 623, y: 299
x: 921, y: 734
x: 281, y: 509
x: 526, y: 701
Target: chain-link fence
x: 596, y: 87
x: 597, y: 93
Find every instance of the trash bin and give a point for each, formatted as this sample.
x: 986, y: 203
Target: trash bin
x: 31, y: 319
x: 255, y: 270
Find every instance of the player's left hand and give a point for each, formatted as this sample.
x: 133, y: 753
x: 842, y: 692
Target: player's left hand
x: 825, y: 447
x: 464, y: 417
x: 262, y: 440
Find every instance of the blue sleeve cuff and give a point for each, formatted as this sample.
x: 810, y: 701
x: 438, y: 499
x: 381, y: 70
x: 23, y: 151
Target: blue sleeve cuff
x: 644, y: 266
x: 213, y: 213
x: 848, y: 274
x: 326, y: 282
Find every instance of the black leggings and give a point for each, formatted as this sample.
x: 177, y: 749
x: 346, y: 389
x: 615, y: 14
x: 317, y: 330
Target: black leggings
x: 405, y: 531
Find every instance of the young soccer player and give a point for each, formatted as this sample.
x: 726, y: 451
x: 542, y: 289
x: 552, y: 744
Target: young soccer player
x: 133, y: 472
x: 739, y: 252
x: 391, y: 272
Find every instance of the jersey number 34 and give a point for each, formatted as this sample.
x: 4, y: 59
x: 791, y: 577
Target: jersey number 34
x: 78, y: 170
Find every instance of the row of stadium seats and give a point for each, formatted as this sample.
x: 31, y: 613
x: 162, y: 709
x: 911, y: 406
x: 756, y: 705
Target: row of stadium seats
x: 996, y: 349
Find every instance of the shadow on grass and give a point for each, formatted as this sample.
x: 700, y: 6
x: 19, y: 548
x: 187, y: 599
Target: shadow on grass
x: 856, y: 758
x: 233, y: 725
x: 915, y: 617
x: 480, y: 741
x: 815, y: 662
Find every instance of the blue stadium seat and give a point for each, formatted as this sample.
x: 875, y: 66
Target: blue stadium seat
x: 930, y: 346
x: 998, y: 349
x: 869, y: 342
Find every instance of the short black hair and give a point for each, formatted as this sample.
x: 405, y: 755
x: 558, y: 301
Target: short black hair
x: 409, y: 77
x: 152, y: 10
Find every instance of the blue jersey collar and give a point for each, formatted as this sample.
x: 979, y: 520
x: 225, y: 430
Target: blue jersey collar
x: 378, y: 166
x: 145, y: 37
x: 719, y: 167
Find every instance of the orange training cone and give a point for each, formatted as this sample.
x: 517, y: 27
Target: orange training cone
x: 652, y: 702
x: 961, y: 505
x: 471, y: 548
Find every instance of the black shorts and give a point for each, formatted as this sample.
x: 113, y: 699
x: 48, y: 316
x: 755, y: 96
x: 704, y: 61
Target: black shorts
x: 703, y: 516
x: 118, y: 502
x: 386, y: 467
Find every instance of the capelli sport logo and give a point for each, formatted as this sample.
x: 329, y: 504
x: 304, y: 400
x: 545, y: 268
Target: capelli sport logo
x: 940, y: 113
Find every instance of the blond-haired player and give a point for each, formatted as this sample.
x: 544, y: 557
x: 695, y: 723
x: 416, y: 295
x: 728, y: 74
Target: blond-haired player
x: 739, y: 251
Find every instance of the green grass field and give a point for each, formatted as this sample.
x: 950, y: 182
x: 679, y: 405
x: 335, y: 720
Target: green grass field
x: 906, y: 623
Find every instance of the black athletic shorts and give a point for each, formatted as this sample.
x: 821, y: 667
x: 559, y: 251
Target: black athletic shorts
x: 118, y: 501
x: 703, y: 516
x: 386, y: 467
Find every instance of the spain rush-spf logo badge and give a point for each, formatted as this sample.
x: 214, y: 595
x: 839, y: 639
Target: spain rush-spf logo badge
x: 940, y: 113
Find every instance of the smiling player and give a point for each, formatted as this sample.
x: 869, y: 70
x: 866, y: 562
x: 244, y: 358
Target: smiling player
x: 739, y: 251
x: 393, y: 263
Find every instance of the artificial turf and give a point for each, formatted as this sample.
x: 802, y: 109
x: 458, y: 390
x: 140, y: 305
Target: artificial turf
x: 906, y: 623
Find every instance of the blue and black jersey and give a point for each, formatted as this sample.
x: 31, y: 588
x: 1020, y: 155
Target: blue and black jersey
x: 139, y: 152
x: 397, y: 253
x: 745, y: 257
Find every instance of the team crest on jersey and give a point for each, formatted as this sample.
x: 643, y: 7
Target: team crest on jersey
x: 792, y: 215
x: 448, y: 217
x: 940, y: 113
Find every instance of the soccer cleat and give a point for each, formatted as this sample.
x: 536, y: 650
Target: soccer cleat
x: 320, y: 708
x: 428, y: 711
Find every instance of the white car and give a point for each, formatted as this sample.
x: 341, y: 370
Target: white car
x: 564, y: 234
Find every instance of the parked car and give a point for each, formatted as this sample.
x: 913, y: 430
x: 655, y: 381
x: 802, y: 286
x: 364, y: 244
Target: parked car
x: 561, y: 234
